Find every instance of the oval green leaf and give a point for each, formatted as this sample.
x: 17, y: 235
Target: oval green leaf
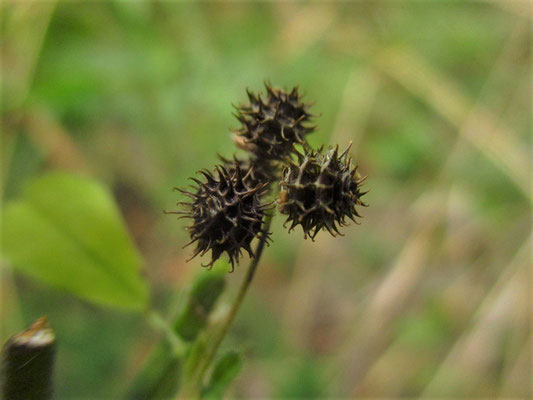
x: 67, y: 231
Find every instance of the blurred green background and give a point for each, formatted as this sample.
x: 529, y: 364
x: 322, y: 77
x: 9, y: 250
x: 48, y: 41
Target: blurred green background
x: 429, y: 296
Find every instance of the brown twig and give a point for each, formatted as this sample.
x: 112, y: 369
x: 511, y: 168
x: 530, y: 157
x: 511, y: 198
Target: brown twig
x: 27, y: 363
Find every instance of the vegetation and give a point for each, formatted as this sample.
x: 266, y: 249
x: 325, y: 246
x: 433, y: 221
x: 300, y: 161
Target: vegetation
x: 106, y: 106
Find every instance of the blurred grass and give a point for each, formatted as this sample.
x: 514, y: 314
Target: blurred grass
x: 437, y: 99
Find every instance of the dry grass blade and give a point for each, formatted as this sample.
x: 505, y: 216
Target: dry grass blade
x: 53, y: 141
x: 24, y: 28
x: 515, y: 381
x: 475, y: 351
x: 357, y: 102
x: 479, y: 127
x: 305, y: 284
x: 519, y: 8
x: 392, y: 296
x: 474, y: 120
x: 302, y: 27
x: 23, y: 35
x: 403, y: 281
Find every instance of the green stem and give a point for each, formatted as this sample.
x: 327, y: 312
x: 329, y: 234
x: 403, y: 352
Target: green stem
x: 252, y: 267
x: 157, y: 322
x: 159, y: 376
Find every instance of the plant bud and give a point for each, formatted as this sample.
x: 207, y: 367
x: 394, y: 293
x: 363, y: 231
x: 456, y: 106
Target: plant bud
x: 271, y: 127
x: 253, y: 171
x: 226, y: 214
x: 320, y: 191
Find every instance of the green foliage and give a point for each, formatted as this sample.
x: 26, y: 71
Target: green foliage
x: 205, y: 292
x: 302, y: 380
x: 65, y: 230
x: 427, y: 329
x: 142, y: 92
x: 225, y: 371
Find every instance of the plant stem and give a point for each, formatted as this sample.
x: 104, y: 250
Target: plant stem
x: 159, y: 323
x: 252, y: 267
x: 27, y: 363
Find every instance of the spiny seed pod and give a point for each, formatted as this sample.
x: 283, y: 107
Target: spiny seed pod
x: 253, y: 171
x: 226, y: 214
x: 320, y: 191
x: 271, y: 127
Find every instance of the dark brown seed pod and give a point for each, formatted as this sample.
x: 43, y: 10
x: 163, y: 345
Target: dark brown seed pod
x: 320, y: 191
x: 253, y: 172
x: 271, y: 126
x: 226, y: 214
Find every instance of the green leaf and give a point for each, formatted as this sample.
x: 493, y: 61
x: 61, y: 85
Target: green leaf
x: 225, y: 371
x: 66, y: 231
x: 205, y: 292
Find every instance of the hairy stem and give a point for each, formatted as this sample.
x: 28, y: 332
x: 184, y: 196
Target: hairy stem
x: 252, y: 267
